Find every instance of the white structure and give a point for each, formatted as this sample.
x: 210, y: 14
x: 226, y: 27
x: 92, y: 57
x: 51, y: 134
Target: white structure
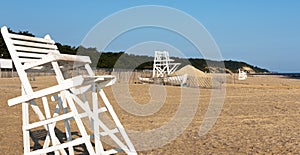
x: 6, y: 63
x: 163, y: 65
x: 41, y: 53
x: 242, y: 75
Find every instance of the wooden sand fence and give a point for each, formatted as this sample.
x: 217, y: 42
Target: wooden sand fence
x: 131, y: 77
x: 204, y: 82
x: 122, y: 75
x: 10, y: 74
x: 127, y: 76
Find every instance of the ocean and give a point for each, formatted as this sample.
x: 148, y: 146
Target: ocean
x: 288, y: 75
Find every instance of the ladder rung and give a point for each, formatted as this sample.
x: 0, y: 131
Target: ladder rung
x: 48, y: 121
x: 75, y: 142
x: 100, y: 110
x: 113, y: 131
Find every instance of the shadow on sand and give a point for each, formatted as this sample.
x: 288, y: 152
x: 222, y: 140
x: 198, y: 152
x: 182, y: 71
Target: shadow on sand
x: 39, y: 136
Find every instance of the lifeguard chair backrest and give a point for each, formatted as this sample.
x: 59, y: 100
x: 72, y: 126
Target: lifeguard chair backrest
x: 25, y: 49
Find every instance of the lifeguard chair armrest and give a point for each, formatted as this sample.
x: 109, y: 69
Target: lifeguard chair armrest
x: 52, y: 57
x: 66, y: 84
x: 102, y: 81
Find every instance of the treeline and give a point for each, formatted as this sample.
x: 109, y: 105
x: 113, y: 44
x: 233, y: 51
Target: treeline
x: 122, y: 60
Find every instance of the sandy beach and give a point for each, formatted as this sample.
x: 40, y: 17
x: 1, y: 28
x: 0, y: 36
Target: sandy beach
x: 260, y: 116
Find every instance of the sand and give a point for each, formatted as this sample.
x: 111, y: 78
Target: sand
x: 260, y: 116
x: 191, y: 71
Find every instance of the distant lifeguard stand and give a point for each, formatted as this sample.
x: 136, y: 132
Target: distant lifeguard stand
x: 242, y: 75
x: 163, y: 65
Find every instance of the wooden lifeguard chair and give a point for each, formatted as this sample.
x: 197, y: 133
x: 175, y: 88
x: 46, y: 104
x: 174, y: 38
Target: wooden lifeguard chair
x: 41, y: 53
x: 163, y: 65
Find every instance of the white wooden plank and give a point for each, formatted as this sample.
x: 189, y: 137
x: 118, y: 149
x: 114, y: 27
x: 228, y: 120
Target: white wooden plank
x: 80, y: 90
x: 57, y: 57
x: 30, y: 55
x: 18, y: 65
x: 25, y: 119
x: 113, y: 131
x: 63, y: 104
x: 51, y: 126
x: 89, y: 70
x: 98, y: 145
x: 68, y: 57
x: 26, y: 60
x: 48, y: 121
x: 32, y: 49
x: 36, y: 39
x: 26, y: 134
x: 57, y: 147
x: 69, y: 83
x: 33, y: 44
x: 102, y: 125
x: 118, y: 123
x: 38, y: 62
x: 100, y: 110
x: 78, y: 121
x: 47, y: 142
x: 37, y: 111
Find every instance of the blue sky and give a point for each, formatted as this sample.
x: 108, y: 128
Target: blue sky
x: 262, y: 33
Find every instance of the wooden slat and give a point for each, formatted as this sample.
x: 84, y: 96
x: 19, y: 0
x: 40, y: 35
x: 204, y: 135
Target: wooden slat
x: 100, y: 110
x: 119, y: 125
x: 26, y: 60
x: 30, y: 55
x: 22, y: 37
x: 48, y: 121
x: 75, y: 58
x: 113, y: 131
x: 33, y: 44
x: 66, y: 84
x: 32, y: 49
x: 57, y: 57
x: 57, y: 147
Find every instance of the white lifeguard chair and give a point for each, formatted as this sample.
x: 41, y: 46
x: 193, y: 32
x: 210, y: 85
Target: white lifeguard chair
x: 242, y: 75
x: 163, y: 65
x: 41, y: 53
